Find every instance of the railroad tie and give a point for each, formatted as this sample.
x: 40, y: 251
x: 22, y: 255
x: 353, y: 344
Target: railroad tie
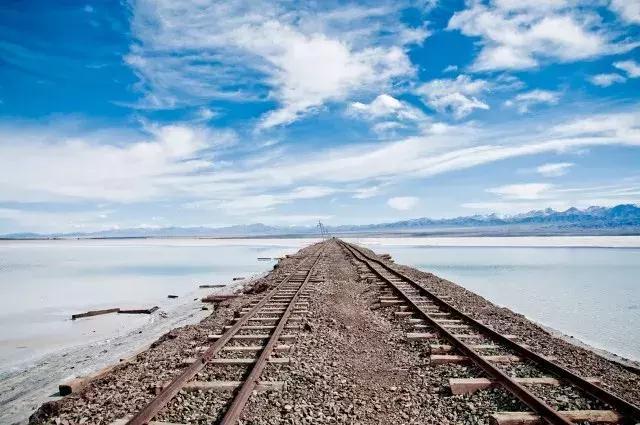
x: 245, y: 348
x: 527, y: 418
x: 454, y: 358
x: 263, y: 327
x: 443, y: 348
x: 249, y: 360
x: 471, y: 385
x: 283, y: 337
x: 226, y: 386
x: 420, y: 336
x: 386, y: 303
x: 123, y: 421
x: 478, y: 336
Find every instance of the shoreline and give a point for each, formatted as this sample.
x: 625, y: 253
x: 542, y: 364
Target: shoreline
x: 24, y: 386
x: 633, y: 365
x: 627, y: 241
x: 591, y: 356
x: 345, y: 345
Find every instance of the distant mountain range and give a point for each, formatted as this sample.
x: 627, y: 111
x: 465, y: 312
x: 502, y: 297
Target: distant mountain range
x: 618, y: 220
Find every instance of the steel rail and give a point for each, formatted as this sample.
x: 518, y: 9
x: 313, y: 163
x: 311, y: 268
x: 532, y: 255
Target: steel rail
x: 169, y: 392
x: 623, y: 407
x: 234, y: 411
x: 536, y: 404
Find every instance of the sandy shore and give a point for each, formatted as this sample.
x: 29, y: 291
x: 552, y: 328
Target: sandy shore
x: 350, y: 364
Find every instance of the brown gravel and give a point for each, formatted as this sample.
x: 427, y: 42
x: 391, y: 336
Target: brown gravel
x: 351, y: 364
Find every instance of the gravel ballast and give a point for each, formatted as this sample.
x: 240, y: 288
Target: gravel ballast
x: 351, y: 362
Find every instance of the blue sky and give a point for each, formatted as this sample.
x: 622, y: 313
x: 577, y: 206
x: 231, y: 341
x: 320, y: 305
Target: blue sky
x: 160, y: 113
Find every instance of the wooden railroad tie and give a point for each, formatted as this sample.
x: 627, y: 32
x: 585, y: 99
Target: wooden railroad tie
x: 420, y: 336
x: 263, y: 327
x: 471, y: 385
x: 226, y: 386
x: 454, y: 358
x: 249, y: 360
x: 215, y: 337
x: 527, y: 418
x: 443, y: 348
x: 245, y: 348
x: 94, y: 313
x: 123, y: 421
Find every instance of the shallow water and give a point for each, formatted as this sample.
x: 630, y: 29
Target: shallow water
x: 42, y: 283
x: 589, y: 292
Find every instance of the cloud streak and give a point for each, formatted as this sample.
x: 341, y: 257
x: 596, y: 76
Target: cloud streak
x: 190, y: 53
x: 178, y: 163
x: 521, y: 35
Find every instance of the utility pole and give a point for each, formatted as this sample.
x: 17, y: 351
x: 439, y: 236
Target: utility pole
x: 323, y: 230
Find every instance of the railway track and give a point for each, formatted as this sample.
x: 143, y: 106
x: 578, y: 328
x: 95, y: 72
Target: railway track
x: 455, y: 337
x: 257, y: 334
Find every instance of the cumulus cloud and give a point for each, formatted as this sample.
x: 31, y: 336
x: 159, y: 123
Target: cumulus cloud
x: 519, y: 35
x: 456, y: 96
x: 628, y: 10
x: 387, y: 114
x: 632, y: 68
x: 403, y: 203
x: 555, y: 169
x: 605, y: 80
x: 524, y: 101
x: 386, y: 106
x: 301, y: 58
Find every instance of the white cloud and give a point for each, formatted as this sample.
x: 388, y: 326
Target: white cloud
x: 562, y: 198
x: 294, y: 219
x: 46, y: 167
x: 628, y: 10
x: 555, y: 169
x: 302, y: 57
x: 385, y: 106
x: 20, y: 219
x: 524, y: 101
x: 621, y: 126
x: 450, y: 68
x: 456, y: 96
x: 519, y: 35
x: 205, y: 114
x: 254, y: 203
x: 605, y: 80
x: 388, y: 127
x: 177, y: 165
x: 522, y: 191
x: 632, y: 68
x: 366, y: 192
x: 403, y: 203
x: 388, y: 114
